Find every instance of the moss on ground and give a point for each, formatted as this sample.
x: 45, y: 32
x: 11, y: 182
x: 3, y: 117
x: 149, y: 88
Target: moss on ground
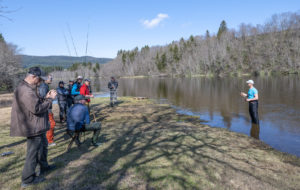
x: 149, y: 146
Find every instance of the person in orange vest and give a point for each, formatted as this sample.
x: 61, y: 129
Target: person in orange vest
x: 85, y: 91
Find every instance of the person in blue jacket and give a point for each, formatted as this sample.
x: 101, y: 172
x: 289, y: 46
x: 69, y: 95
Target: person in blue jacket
x: 252, y: 98
x: 79, y: 120
x: 76, y: 86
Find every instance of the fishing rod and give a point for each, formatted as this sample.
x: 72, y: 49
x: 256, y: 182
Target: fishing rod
x: 66, y: 42
x: 69, y: 29
x: 87, y: 43
x: 237, y: 87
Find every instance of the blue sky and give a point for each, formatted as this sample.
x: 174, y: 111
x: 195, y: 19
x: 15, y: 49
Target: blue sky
x: 38, y: 25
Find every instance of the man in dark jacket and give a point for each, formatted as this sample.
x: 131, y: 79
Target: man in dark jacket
x: 62, y: 95
x: 112, y: 86
x: 29, y: 118
x: 79, y: 120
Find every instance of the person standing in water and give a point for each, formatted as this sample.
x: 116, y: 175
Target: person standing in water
x: 252, y: 98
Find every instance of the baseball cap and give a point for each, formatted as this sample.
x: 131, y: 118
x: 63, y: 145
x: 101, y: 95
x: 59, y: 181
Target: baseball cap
x: 36, y: 71
x: 79, y: 77
x: 250, y: 81
x: 80, y: 97
x: 89, y: 80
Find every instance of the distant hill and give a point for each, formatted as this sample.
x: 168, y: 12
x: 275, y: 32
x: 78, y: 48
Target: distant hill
x: 64, y: 61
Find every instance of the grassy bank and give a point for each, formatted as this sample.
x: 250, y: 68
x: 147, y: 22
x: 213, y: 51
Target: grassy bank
x: 149, y: 146
x: 6, y: 99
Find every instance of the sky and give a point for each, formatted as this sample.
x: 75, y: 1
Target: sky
x: 46, y: 27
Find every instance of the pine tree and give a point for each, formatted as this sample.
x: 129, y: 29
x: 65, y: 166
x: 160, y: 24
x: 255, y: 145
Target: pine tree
x: 222, y: 29
x: 207, y: 35
x: 97, y: 66
x: 1, y: 38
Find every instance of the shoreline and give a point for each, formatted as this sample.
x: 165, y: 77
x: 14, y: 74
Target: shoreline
x: 146, y: 144
x: 209, y: 75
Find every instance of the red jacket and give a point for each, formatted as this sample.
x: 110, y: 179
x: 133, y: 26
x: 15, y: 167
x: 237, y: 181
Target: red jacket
x: 84, y: 90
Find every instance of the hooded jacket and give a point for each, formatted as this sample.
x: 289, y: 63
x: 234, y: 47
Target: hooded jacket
x: 62, y: 94
x: 29, y: 114
x: 76, y: 89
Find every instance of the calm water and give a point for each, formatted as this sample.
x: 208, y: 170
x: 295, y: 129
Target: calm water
x: 217, y: 101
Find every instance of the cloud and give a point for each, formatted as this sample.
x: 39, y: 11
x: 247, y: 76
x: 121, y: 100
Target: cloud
x: 155, y: 22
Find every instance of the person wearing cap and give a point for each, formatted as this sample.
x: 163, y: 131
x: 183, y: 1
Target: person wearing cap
x: 252, y: 98
x: 76, y: 86
x: 29, y: 118
x: 85, y: 91
x: 62, y: 95
x: 112, y: 86
x: 43, y: 89
x: 69, y: 97
x: 79, y: 120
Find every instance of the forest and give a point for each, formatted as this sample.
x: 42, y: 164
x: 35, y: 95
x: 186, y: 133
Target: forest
x: 271, y: 48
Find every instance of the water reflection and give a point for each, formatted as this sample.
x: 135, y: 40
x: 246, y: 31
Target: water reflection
x: 254, y: 131
x: 96, y: 84
x: 218, y: 101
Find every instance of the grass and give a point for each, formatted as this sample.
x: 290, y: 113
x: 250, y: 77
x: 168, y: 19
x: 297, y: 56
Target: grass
x: 148, y: 146
x: 6, y: 99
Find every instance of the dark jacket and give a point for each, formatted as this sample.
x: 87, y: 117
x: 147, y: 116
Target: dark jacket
x: 29, y: 114
x: 70, y: 90
x: 113, y: 85
x: 43, y: 89
x: 62, y: 94
x: 78, y: 115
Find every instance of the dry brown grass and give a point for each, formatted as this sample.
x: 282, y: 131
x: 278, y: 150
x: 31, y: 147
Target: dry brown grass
x: 149, y: 146
x: 6, y: 100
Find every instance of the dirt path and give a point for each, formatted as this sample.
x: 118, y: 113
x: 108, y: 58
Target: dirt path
x: 149, y: 146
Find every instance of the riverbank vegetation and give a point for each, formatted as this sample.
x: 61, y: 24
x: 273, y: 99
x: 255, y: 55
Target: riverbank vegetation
x: 146, y: 145
x: 266, y: 49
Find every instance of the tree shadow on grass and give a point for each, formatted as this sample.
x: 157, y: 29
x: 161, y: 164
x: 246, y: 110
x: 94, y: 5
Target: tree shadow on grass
x: 156, y: 152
